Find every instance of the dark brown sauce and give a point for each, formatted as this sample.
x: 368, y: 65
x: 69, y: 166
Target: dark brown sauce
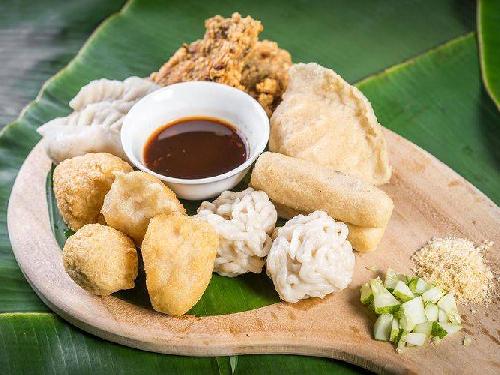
x: 195, y: 147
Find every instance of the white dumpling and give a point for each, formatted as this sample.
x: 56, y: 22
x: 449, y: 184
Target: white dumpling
x: 92, y: 130
x: 95, y: 124
x: 244, y: 221
x: 105, y: 90
x: 310, y: 257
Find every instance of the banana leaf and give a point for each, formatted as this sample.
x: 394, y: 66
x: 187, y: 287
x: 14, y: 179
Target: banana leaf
x: 433, y: 99
x: 38, y: 38
x: 488, y: 27
x: 55, y: 347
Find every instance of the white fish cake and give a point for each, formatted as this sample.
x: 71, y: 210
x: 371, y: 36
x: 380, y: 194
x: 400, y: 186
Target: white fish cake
x: 325, y: 120
x: 362, y: 239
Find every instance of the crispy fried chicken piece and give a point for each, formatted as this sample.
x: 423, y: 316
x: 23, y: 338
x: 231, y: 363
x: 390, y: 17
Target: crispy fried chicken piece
x: 218, y: 57
x: 265, y: 73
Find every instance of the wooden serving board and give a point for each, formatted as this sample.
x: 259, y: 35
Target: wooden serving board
x: 430, y: 200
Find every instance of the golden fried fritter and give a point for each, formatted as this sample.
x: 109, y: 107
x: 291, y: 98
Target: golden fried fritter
x: 100, y: 259
x: 265, y: 73
x: 179, y: 254
x: 133, y: 199
x: 218, y: 57
x: 80, y: 184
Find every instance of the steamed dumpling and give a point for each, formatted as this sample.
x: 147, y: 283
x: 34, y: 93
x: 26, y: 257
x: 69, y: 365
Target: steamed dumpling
x: 310, y: 257
x: 95, y: 124
x: 105, y: 90
x: 244, y: 222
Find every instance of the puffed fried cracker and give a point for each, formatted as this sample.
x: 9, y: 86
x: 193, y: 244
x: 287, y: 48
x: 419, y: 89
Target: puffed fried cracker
x: 325, y: 120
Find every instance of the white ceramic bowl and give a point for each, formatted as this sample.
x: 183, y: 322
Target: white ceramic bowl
x: 196, y: 99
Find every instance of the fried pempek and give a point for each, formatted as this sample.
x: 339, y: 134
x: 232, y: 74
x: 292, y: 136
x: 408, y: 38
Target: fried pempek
x: 325, y: 120
x: 179, y: 253
x: 100, y: 259
x: 80, y: 184
x: 133, y: 199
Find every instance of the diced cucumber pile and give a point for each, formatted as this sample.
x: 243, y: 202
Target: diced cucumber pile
x: 411, y: 311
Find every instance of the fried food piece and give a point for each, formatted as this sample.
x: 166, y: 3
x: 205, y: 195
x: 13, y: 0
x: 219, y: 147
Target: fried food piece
x: 265, y: 73
x: 179, y: 253
x: 325, y: 120
x: 362, y: 239
x: 218, y: 57
x: 134, y: 198
x: 306, y: 187
x: 80, y: 184
x: 100, y: 259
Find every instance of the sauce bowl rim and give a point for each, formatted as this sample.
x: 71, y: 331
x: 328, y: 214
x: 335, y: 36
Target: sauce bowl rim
x: 253, y: 155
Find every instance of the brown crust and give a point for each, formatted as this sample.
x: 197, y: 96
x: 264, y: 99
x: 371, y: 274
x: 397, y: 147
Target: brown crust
x: 265, y: 73
x: 218, y: 57
x: 230, y: 53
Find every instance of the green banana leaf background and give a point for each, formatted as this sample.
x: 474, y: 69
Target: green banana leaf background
x: 488, y: 24
x: 418, y: 62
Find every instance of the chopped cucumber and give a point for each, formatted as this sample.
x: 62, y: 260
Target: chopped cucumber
x: 393, y: 337
x: 402, y: 342
x: 418, y: 285
x: 448, y: 305
x: 442, y: 317
x: 383, y: 301
x: 416, y: 339
x: 382, y: 328
x: 425, y: 328
x: 412, y: 283
x: 377, y: 286
x: 411, y: 311
x: 414, y: 310
x: 366, y: 294
x: 402, y: 291
x: 392, y: 278
x: 406, y: 323
x: 451, y: 328
x: 431, y: 312
x: 432, y: 295
x: 438, y: 330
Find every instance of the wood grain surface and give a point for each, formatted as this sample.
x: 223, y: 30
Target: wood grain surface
x: 430, y: 200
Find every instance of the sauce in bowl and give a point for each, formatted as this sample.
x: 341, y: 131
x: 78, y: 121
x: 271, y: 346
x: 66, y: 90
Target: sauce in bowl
x: 195, y: 147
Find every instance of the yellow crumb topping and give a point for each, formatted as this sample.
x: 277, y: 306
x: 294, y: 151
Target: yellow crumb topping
x: 456, y: 265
